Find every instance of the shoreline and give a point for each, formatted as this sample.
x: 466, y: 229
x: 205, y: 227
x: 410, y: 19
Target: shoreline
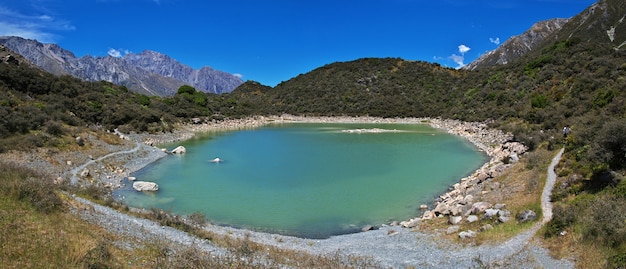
x: 494, y: 143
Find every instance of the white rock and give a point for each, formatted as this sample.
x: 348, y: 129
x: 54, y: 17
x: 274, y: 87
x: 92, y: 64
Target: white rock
x: 454, y: 220
x: 216, y: 160
x: 145, y: 186
x: 179, y: 150
x: 467, y: 234
x: 132, y: 178
x: 472, y: 218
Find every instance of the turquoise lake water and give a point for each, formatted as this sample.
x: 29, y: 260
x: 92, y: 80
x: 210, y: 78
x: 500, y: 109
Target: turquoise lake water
x: 308, y: 180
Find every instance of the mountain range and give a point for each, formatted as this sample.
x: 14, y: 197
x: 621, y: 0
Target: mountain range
x: 150, y: 72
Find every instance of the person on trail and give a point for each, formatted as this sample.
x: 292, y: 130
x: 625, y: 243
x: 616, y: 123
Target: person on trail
x: 566, y: 131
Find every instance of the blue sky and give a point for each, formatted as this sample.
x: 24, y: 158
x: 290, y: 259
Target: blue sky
x: 274, y: 40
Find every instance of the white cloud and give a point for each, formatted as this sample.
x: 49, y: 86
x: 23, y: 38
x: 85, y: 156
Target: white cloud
x: 117, y: 53
x: 495, y: 40
x: 39, y: 27
x: 458, y: 59
x: 114, y: 53
x: 238, y: 75
x: 463, y: 49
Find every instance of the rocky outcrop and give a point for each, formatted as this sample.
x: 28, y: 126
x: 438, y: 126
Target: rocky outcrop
x: 145, y: 186
x: 149, y: 72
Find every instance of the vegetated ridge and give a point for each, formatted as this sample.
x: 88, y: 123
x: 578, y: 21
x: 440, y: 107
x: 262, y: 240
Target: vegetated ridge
x: 149, y: 72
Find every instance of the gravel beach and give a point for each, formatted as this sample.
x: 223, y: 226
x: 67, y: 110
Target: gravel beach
x: 390, y: 246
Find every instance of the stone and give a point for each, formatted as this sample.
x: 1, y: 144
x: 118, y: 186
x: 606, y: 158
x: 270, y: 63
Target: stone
x: 80, y: 141
x: 454, y: 220
x: 410, y: 223
x: 486, y: 227
x: 472, y: 218
x: 69, y: 163
x: 479, y: 207
x: 456, y: 210
x: 499, y: 206
x: 179, y: 150
x: 84, y: 173
x: 504, y: 213
x: 527, y: 215
x: 453, y: 229
x: 423, y: 207
x: 490, y: 213
x: 145, y: 186
x: 132, y: 178
x: 503, y: 219
x: 368, y: 228
x: 467, y: 234
x: 428, y: 215
x: 442, y: 209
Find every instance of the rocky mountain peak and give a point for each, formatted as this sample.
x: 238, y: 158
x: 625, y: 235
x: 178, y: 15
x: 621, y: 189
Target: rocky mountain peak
x: 519, y: 45
x: 149, y: 72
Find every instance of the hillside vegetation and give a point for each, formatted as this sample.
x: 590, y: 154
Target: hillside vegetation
x: 575, y: 79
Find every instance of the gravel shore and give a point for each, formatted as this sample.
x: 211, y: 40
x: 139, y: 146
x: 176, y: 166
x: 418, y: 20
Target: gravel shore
x: 390, y: 246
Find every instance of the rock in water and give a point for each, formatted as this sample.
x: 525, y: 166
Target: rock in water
x: 179, y: 150
x: 145, y: 186
x: 216, y: 160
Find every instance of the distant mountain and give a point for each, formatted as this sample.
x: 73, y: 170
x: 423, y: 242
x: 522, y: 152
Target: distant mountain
x: 519, y: 45
x: 149, y: 72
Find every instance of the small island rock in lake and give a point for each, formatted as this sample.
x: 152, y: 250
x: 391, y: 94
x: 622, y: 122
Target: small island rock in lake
x: 179, y: 150
x: 216, y: 160
x: 145, y: 186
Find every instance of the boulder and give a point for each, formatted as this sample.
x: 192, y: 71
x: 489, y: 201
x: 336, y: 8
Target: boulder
x: 453, y: 229
x: 80, y: 141
x: 456, y: 210
x: 410, y: 223
x: 479, y: 207
x: 472, y: 218
x: 179, y: 150
x: 428, y: 215
x: 503, y: 219
x: 486, y: 227
x: 454, y: 220
x: 368, y: 228
x: 467, y: 234
x: 527, y: 215
x: 490, y: 213
x: 442, y: 209
x: 132, y: 178
x: 145, y: 186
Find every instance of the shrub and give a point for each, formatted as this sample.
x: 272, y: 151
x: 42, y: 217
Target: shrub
x: 54, y: 128
x: 605, y: 222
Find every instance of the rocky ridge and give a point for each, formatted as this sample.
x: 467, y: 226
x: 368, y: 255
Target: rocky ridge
x: 149, y: 72
x: 518, y: 46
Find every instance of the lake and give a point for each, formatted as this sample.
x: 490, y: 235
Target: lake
x: 308, y: 179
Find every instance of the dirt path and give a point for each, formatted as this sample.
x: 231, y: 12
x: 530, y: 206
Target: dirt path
x: 73, y: 173
x: 546, y: 205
